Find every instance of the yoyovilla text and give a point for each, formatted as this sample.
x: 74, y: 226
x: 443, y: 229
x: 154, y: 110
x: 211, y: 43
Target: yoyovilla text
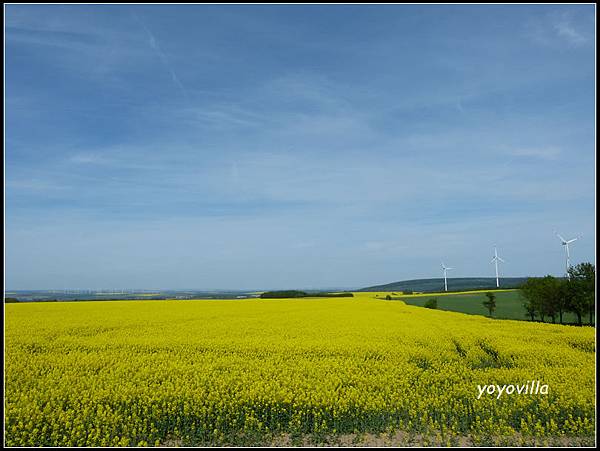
x: 529, y: 388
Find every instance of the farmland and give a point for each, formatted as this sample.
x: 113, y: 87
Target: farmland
x: 252, y: 371
x: 509, y: 303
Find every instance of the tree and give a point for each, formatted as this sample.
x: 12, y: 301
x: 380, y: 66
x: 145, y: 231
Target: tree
x: 431, y: 303
x: 490, y: 304
x: 544, y: 297
x: 283, y: 294
x: 531, y: 291
x: 530, y: 309
x: 581, y: 290
x: 551, y: 297
x: 562, y: 298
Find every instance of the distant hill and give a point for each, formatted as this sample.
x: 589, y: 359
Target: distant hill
x: 454, y: 284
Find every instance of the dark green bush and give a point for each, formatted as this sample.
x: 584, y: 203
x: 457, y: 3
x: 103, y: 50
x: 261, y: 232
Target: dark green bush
x: 431, y: 303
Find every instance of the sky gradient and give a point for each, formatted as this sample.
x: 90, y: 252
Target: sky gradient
x: 290, y: 146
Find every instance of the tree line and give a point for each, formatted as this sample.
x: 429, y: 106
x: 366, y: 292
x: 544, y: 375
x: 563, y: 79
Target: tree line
x: 302, y: 294
x: 552, y: 297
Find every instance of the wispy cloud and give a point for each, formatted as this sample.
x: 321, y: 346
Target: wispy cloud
x: 557, y: 28
x: 544, y: 153
x: 162, y: 56
x: 89, y: 158
x: 54, y: 38
x: 224, y: 116
x: 35, y: 185
x: 566, y: 29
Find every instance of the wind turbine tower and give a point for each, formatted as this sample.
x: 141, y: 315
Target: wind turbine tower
x: 445, y: 268
x: 495, y: 260
x: 566, y: 243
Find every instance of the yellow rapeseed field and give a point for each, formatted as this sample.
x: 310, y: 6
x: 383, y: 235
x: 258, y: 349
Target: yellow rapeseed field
x: 197, y: 372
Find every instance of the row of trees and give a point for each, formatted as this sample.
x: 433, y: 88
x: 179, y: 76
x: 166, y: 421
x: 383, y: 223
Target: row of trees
x: 302, y: 294
x: 552, y: 297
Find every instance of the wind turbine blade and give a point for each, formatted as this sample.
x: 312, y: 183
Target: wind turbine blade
x: 574, y: 239
x: 501, y: 260
x: 561, y: 238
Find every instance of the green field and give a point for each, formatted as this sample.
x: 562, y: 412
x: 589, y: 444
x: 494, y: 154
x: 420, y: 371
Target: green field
x: 509, y: 304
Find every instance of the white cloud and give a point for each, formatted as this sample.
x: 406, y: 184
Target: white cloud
x: 162, y: 56
x: 566, y: 30
x: 35, y: 185
x: 88, y: 158
x: 545, y: 153
x: 556, y: 29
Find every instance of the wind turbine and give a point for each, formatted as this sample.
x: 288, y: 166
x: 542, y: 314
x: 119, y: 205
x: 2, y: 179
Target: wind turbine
x: 445, y: 268
x: 495, y: 260
x: 566, y: 243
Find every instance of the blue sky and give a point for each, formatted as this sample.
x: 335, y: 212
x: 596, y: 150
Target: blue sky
x: 295, y: 146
